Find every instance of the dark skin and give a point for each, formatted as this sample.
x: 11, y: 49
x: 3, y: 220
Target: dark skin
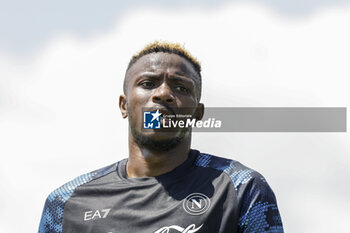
x: 166, y: 81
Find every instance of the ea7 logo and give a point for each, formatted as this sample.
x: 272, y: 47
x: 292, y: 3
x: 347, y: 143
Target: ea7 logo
x: 96, y: 214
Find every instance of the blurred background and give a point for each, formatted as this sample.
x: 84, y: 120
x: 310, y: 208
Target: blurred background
x: 62, y: 65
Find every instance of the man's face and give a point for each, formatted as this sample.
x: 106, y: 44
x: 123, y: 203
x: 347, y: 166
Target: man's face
x: 163, y: 81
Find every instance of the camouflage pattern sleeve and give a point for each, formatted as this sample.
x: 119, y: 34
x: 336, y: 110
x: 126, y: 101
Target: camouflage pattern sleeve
x: 258, y: 205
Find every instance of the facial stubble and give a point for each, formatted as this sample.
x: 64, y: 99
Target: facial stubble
x: 145, y: 141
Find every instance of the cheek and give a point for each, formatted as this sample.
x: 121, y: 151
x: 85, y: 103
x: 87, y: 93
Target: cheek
x: 187, y: 102
x: 138, y: 97
x: 187, y: 105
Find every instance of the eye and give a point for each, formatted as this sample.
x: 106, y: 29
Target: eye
x: 182, y: 89
x: 147, y: 84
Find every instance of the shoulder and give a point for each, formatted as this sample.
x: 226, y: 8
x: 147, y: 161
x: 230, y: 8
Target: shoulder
x: 52, y: 216
x: 66, y: 190
x: 238, y: 173
x: 257, y: 202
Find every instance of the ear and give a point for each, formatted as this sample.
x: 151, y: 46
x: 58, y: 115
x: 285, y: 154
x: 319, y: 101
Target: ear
x: 123, y: 105
x: 199, y: 111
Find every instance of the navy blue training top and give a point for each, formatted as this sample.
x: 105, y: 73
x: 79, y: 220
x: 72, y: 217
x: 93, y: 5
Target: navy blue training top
x: 205, y: 194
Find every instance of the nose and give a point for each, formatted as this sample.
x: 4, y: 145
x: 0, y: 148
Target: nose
x: 163, y: 94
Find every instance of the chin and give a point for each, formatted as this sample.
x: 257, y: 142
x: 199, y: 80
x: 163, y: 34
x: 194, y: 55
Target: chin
x: 161, y: 135
x: 159, y: 141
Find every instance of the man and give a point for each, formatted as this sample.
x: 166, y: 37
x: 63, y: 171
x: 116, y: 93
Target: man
x: 164, y: 186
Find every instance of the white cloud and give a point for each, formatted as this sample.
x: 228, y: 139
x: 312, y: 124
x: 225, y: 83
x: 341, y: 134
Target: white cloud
x: 59, y: 115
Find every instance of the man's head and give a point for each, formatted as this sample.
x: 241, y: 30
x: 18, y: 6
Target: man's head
x: 170, y: 48
x: 162, y: 76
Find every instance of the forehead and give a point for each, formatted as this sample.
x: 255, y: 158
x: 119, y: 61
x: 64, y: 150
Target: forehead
x: 161, y: 62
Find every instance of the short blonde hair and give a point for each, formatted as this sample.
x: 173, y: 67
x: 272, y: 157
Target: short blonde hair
x: 166, y: 47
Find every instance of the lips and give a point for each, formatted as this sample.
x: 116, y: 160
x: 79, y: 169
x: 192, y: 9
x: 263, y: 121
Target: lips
x: 165, y: 111
x: 167, y: 115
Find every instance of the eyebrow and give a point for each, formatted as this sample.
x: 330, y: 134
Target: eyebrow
x: 182, y: 79
x: 175, y: 77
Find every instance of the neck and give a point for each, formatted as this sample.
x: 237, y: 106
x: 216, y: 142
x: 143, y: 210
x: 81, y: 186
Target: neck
x: 144, y: 162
